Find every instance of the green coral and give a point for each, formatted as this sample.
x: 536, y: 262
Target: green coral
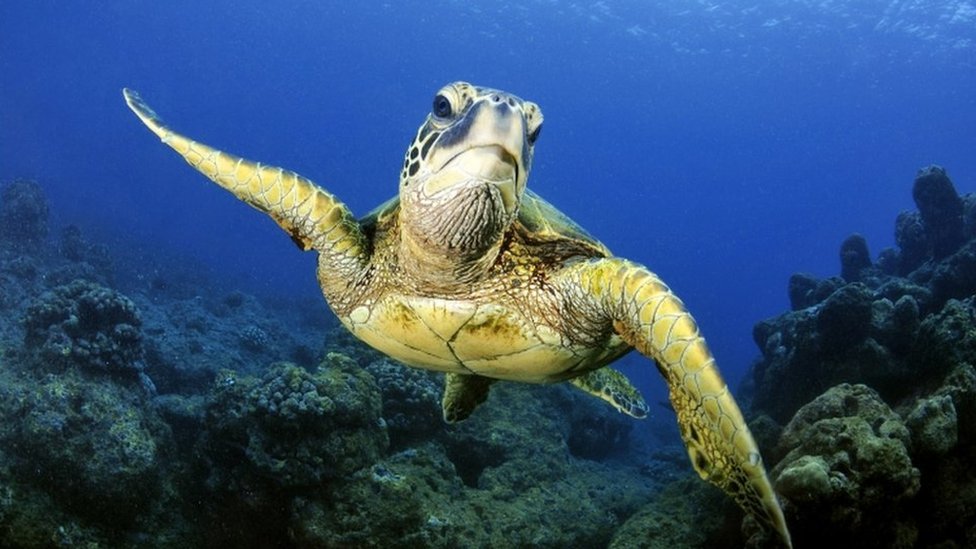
x: 298, y: 428
x: 686, y: 513
x: 934, y: 425
x: 416, y: 499
x: 411, y: 401
x: 947, y: 338
x: 86, y: 324
x: 847, y: 470
x: 90, y: 444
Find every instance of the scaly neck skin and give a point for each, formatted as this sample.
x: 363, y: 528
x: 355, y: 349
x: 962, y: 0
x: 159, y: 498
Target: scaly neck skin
x: 449, y: 242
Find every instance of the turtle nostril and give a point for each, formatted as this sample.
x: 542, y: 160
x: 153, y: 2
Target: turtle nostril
x: 495, y: 98
x: 511, y: 102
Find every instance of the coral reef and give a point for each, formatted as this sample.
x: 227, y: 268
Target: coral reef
x: 411, y: 401
x: 87, y: 325
x: 295, y: 428
x: 86, y: 462
x: 189, y: 340
x: 493, y: 480
x: 874, y: 327
x: 872, y: 373
x: 91, y: 443
x: 687, y: 513
x: 847, y: 464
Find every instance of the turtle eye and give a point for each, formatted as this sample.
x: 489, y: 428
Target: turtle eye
x: 535, y: 134
x: 442, y: 107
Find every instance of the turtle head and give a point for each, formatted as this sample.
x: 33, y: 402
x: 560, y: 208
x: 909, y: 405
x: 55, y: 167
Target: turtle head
x: 466, y: 170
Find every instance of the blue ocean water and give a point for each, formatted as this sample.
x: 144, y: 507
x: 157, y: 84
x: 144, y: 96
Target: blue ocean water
x: 725, y: 145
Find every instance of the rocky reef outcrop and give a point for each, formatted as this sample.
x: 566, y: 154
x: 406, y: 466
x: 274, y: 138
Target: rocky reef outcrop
x: 864, y: 385
x: 847, y: 464
x: 86, y: 325
x: 292, y: 427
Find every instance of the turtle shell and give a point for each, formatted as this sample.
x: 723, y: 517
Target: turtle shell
x: 543, y: 223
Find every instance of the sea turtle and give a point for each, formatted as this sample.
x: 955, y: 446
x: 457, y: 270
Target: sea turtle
x: 467, y: 272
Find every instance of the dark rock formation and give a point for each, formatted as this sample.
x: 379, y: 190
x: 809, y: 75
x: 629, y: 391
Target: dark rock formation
x: 941, y: 210
x: 844, y: 319
x: 854, y: 258
x: 882, y: 457
x: 912, y: 242
x: 806, y: 290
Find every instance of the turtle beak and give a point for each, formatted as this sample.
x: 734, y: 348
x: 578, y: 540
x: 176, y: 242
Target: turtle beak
x: 491, y: 165
x: 500, y: 170
x: 507, y: 191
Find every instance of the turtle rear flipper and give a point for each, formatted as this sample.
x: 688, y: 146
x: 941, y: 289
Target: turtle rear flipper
x: 613, y: 387
x: 313, y: 217
x: 462, y: 394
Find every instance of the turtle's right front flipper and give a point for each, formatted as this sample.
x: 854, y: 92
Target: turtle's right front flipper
x: 310, y: 215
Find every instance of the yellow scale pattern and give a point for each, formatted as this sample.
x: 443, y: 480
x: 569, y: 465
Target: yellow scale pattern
x: 313, y: 217
x: 651, y: 318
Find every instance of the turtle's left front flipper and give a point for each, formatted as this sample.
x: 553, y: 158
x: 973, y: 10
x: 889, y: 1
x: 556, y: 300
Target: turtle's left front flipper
x: 645, y: 312
x: 313, y: 217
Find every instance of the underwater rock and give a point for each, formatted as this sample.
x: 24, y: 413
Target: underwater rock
x: 844, y: 318
x: 847, y: 477
x: 88, y: 325
x: 854, y: 257
x: 960, y: 385
x: 491, y: 449
x: 907, y: 330
x: 933, y: 424
x: 946, y: 338
x: 853, y: 337
x: 411, y: 401
x: 76, y: 249
x: 686, y: 513
x: 188, y: 341
x: 946, y: 452
x: 788, y: 375
x: 969, y: 215
x: 72, y: 246
x: 912, y: 242
x: 94, y: 446
x: 416, y: 499
x: 895, y: 288
x: 888, y: 260
x: 941, y: 210
x: 23, y: 215
x: 18, y: 278
x: 412, y: 499
x: 296, y: 428
x: 806, y: 290
x: 896, y: 323
x: 801, y: 288
x: 598, y: 436
x: 955, y: 277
